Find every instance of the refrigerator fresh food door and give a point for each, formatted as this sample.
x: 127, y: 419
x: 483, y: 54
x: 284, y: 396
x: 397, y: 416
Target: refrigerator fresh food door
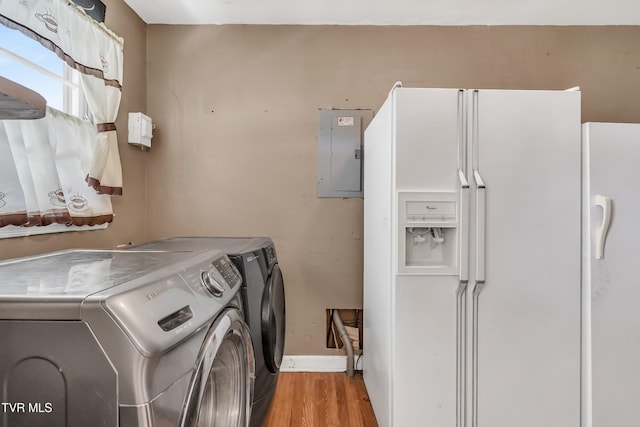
x: 524, y: 325
x: 611, y: 244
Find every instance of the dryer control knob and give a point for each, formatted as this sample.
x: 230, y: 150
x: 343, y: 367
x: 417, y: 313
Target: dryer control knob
x: 211, y: 283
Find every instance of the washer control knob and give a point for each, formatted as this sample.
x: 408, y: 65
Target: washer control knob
x: 212, y: 285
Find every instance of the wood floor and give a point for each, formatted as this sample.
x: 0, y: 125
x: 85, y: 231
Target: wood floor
x: 327, y: 399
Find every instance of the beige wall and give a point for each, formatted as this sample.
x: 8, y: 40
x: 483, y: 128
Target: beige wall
x: 129, y: 223
x: 234, y: 152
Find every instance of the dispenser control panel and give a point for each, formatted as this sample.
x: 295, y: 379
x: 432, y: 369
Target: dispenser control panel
x: 430, y: 210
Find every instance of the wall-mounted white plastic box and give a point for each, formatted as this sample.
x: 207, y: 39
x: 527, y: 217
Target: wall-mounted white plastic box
x: 140, y: 130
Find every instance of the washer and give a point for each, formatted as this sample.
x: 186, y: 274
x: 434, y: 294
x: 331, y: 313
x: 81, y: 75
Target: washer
x: 124, y: 338
x: 264, y: 296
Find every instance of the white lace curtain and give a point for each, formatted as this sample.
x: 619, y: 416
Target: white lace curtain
x: 46, y: 164
x: 41, y: 179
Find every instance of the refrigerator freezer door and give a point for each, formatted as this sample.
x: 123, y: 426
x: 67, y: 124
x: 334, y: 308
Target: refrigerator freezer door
x: 611, y: 286
x: 525, y: 329
x: 425, y: 326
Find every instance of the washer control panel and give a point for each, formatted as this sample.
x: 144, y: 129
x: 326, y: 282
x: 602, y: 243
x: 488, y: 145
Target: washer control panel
x: 222, y: 275
x: 211, y: 282
x: 171, y: 304
x: 228, y: 271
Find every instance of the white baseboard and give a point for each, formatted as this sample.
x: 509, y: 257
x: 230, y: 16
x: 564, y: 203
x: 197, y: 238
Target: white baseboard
x: 295, y: 363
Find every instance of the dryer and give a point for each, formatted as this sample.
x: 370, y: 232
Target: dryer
x: 264, y: 296
x: 124, y: 338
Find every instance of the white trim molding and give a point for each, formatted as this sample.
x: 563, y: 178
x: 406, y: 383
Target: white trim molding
x: 312, y: 363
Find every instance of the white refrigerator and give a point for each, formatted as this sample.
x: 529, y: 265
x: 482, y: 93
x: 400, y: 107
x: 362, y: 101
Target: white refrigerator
x: 611, y: 294
x: 472, y: 258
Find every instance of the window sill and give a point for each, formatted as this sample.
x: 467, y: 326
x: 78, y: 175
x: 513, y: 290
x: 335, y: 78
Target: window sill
x: 12, y: 231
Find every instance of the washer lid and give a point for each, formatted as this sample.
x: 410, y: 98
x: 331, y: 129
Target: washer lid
x: 68, y: 277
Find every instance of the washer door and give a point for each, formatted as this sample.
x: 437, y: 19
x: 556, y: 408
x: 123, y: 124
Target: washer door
x: 221, y: 390
x: 273, y: 320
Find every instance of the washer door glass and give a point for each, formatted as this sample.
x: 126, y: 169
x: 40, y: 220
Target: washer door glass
x: 223, y: 399
x: 222, y: 387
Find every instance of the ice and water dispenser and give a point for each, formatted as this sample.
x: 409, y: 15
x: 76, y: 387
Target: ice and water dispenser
x: 428, y: 233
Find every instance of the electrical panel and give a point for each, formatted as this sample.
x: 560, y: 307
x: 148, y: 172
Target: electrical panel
x: 340, y: 136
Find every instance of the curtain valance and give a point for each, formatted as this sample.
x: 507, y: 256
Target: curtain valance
x: 64, y: 28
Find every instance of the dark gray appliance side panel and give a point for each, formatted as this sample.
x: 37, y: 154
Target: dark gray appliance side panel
x: 55, y: 374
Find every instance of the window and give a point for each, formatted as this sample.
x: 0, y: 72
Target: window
x: 27, y: 62
x: 61, y: 169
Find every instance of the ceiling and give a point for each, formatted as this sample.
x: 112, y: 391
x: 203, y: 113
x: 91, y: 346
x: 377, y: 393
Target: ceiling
x: 390, y: 12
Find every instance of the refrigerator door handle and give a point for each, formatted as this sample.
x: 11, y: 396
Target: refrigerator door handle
x: 480, y: 225
x: 461, y: 318
x: 464, y: 226
x: 461, y: 353
x: 477, y: 288
x: 601, y: 232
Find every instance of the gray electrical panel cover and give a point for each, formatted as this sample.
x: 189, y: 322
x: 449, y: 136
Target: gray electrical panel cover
x: 340, y: 135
